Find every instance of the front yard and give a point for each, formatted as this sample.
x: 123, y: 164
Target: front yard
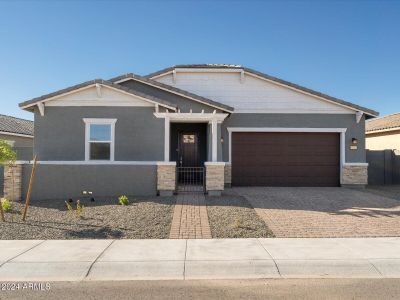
x: 143, y: 218
x: 232, y: 216
x: 239, y: 213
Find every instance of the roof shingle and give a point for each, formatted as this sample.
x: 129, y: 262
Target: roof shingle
x: 384, y: 123
x: 16, y: 125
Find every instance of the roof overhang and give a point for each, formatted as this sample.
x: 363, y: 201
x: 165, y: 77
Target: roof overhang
x: 383, y: 130
x: 174, y: 90
x: 98, y: 83
x: 193, y: 117
x: 16, y: 134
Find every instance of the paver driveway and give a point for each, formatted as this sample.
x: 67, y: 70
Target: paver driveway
x: 324, y: 212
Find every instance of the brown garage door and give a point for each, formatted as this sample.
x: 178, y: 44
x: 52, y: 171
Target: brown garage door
x: 285, y: 159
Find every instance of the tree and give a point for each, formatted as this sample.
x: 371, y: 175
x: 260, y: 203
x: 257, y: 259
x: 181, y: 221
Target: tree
x: 7, y: 154
x: 7, y: 158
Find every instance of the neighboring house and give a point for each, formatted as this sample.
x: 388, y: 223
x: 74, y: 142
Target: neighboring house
x: 228, y: 124
x: 19, y: 133
x: 383, y: 133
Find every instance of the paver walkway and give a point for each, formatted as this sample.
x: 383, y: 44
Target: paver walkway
x: 190, y: 220
x: 324, y: 212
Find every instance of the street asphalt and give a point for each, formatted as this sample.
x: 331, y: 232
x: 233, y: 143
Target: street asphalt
x: 217, y: 289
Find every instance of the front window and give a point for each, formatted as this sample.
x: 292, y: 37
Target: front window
x: 99, y: 139
x: 100, y: 142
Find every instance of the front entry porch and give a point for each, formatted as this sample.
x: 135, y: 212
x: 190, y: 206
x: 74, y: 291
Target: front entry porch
x: 192, y: 150
x: 189, y: 150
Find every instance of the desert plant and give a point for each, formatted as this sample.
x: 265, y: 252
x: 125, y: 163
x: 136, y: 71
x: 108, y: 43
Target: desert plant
x: 123, y: 200
x: 6, y: 204
x: 69, y: 207
x: 79, y: 209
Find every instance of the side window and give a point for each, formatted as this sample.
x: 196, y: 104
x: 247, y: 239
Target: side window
x: 99, y: 138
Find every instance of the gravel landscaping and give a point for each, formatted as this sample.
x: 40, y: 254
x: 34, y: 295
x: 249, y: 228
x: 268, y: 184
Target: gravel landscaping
x: 232, y: 216
x: 143, y: 218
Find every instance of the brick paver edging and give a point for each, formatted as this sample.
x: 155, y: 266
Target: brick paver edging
x: 190, y: 219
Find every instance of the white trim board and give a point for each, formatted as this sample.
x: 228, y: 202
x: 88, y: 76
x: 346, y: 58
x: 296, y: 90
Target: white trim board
x: 16, y: 134
x: 341, y: 131
x: 91, y: 162
x: 193, y: 117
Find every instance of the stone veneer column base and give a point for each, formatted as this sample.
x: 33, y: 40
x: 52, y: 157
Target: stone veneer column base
x: 355, y: 175
x: 228, y: 175
x: 215, y: 173
x: 166, y: 178
x: 13, y: 187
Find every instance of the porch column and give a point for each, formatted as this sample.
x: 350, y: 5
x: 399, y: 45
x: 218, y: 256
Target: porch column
x: 166, y: 139
x: 214, y: 147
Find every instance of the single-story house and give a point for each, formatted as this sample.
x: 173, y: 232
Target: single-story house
x: 193, y: 127
x: 383, y: 133
x: 19, y: 134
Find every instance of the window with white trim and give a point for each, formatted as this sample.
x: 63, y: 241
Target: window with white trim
x: 99, y: 139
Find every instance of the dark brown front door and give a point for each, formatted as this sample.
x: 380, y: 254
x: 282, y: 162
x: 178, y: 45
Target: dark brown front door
x: 285, y: 159
x: 188, y: 151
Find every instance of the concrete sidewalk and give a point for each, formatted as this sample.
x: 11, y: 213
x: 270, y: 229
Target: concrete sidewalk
x: 76, y: 260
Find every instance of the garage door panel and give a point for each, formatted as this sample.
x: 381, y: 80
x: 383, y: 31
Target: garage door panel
x: 285, y: 159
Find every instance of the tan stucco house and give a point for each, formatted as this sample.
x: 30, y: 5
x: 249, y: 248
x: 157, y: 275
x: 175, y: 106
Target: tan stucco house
x: 383, y: 133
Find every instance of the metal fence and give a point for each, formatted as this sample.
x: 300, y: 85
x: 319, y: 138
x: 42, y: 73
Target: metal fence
x: 190, y: 179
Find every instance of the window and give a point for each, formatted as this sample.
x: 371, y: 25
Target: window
x: 99, y: 136
x: 188, y: 138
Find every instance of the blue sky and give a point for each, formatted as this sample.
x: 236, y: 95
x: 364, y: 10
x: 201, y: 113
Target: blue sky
x: 347, y: 49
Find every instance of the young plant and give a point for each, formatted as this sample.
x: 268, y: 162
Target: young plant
x: 69, y: 207
x: 6, y: 204
x: 123, y: 200
x: 79, y: 209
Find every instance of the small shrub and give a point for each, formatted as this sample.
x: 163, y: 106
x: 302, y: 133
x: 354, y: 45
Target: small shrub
x: 6, y: 204
x: 123, y: 200
x: 238, y: 223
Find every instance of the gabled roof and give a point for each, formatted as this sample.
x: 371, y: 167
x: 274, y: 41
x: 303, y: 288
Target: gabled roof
x: 172, y: 89
x: 341, y: 102
x: 386, y: 123
x: 30, y: 103
x: 13, y: 125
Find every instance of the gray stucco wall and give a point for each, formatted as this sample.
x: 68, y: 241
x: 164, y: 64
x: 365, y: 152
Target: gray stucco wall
x: 60, y: 133
x: 68, y: 181
x: 348, y: 121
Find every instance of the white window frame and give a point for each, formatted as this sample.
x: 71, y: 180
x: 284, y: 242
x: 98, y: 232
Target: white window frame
x: 99, y: 121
